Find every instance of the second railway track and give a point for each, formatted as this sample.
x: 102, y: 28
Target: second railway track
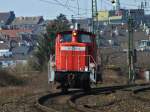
x: 78, y: 101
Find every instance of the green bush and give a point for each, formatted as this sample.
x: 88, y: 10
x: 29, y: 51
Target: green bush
x: 7, y: 79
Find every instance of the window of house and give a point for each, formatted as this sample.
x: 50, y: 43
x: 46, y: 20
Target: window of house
x: 148, y: 43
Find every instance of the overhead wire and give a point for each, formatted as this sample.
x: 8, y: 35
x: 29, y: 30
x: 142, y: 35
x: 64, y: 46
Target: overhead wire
x: 69, y: 7
x: 78, y: 6
x: 66, y: 2
x: 64, y: 5
x: 86, y: 7
x: 108, y: 2
x: 101, y: 4
x: 72, y: 8
x: 57, y: 3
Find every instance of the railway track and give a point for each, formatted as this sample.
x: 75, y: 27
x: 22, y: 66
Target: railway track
x: 74, y: 96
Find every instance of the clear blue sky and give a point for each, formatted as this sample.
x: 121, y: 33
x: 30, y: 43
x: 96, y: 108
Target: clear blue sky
x: 51, y: 8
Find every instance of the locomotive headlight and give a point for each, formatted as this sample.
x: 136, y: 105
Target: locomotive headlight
x: 74, y: 34
x: 86, y: 68
x: 92, y: 65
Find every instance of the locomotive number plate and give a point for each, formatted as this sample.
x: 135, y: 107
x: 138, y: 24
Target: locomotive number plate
x: 72, y: 48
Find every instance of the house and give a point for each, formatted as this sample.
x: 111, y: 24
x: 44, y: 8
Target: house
x: 14, y: 34
x: 21, y: 50
x: 6, y: 18
x: 121, y: 16
x: 5, y: 50
x: 85, y: 24
x: 143, y: 45
x: 27, y: 22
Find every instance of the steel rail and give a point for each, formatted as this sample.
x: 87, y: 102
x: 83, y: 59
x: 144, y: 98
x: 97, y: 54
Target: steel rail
x: 76, y: 94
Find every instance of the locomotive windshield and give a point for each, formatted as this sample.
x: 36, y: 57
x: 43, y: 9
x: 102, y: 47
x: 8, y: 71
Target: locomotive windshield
x: 84, y: 38
x: 81, y: 38
x: 66, y: 38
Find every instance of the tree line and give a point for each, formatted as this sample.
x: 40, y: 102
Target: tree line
x: 46, y: 42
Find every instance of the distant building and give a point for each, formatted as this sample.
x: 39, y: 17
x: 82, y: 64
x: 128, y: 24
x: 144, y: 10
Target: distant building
x: 31, y: 23
x: 143, y: 45
x: 85, y: 24
x: 147, y: 20
x: 4, y: 46
x: 41, y: 28
x: 6, y: 18
x: 121, y: 16
x: 14, y: 34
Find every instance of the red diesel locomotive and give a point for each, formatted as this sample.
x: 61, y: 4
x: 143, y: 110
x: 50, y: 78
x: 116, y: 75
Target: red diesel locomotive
x: 74, y: 63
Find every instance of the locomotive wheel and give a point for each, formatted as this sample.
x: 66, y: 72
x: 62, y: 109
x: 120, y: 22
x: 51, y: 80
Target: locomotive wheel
x: 71, y: 80
x: 85, y: 83
x: 64, y: 88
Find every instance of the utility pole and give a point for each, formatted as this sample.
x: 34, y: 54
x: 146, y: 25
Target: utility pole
x: 95, y: 30
x: 95, y: 21
x: 94, y: 15
x: 131, y: 51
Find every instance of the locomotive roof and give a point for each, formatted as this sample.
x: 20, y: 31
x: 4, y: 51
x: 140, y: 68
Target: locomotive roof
x: 80, y: 31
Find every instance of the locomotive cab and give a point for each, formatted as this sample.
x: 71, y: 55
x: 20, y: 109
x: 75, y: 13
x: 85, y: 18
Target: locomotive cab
x: 74, y: 63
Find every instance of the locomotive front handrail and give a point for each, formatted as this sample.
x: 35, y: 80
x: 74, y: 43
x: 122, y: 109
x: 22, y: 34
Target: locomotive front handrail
x: 52, y: 58
x: 90, y: 57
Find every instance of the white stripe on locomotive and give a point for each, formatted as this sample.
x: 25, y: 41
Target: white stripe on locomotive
x: 72, y: 48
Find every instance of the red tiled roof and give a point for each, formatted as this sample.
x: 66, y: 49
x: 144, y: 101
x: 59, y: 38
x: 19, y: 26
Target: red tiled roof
x: 13, y: 33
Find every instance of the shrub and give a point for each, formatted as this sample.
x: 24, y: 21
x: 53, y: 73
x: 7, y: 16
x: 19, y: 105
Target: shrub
x: 7, y: 79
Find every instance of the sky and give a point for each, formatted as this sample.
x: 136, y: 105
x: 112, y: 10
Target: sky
x: 49, y: 9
